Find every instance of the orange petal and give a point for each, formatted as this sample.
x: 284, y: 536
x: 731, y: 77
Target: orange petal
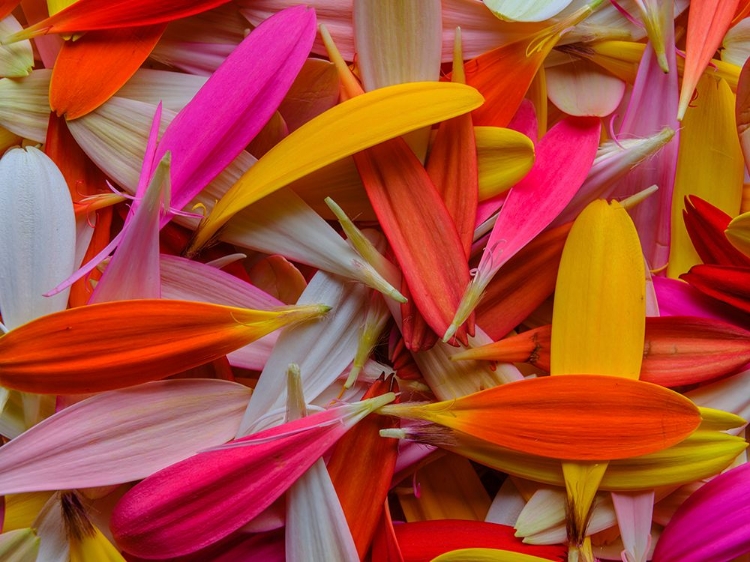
x: 90, y: 70
x: 117, y: 344
x: 575, y: 417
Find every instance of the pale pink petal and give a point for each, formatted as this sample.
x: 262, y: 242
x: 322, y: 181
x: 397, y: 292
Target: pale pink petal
x: 634, y: 512
x: 176, y: 418
x: 133, y: 272
x: 642, y: 119
x: 54, y: 545
x: 583, y: 88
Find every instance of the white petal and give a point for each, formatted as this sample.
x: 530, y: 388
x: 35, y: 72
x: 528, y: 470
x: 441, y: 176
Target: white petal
x: 316, y: 528
x: 737, y: 44
x: 37, y: 227
x: 321, y: 349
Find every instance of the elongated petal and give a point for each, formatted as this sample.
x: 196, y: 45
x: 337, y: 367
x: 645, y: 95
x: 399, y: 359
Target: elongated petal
x: 564, y: 157
x: 322, y: 349
x: 117, y: 344
x: 713, y: 522
x: 349, y: 127
x: 90, y: 14
x: 604, y: 417
x: 15, y: 60
x: 710, y: 122
x: 521, y: 283
x: 114, y: 136
x: 90, y: 70
x: 598, y: 321
x: 159, y: 516
x: 94, y: 547
x: 486, y: 555
x: 315, y: 524
x: 37, y: 226
x: 702, y: 455
x: 725, y: 283
x: 634, y: 513
x: 21, y: 545
x: 423, y: 541
x: 707, y: 23
x: 177, y: 418
x: 362, y: 460
x: 715, y: 235
x: 236, y: 101
x: 24, y: 105
x: 420, y: 230
x: 678, y: 350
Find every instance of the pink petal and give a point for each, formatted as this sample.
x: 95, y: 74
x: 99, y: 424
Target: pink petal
x: 200, y: 500
x: 713, y: 523
x: 564, y: 157
x: 236, y: 102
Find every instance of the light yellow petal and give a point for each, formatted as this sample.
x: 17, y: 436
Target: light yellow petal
x: 710, y: 165
x: 350, y: 127
x: 22, y: 509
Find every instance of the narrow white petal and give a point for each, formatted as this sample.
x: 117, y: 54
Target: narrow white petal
x: 316, y: 528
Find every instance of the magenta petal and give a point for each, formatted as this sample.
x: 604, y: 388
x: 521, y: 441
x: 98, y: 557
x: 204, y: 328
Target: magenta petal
x: 236, y: 101
x: 200, y: 500
x: 713, y: 523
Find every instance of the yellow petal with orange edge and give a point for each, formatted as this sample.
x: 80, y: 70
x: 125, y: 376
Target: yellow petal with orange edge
x: 352, y: 126
x: 94, y: 548
x: 486, y: 555
x: 710, y: 165
x: 738, y: 233
x: 598, y: 322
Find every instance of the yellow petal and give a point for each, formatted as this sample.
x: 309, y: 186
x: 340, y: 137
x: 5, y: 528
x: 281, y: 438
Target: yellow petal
x: 94, y: 548
x: 486, y: 555
x: 710, y: 157
x: 598, y: 322
x: 350, y: 127
x: 504, y: 157
x: 738, y: 233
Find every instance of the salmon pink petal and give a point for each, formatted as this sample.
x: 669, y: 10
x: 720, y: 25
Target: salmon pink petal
x: 707, y: 23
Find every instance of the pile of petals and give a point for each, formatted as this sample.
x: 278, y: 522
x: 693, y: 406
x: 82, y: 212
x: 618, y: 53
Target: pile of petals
x: 374, y: 280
